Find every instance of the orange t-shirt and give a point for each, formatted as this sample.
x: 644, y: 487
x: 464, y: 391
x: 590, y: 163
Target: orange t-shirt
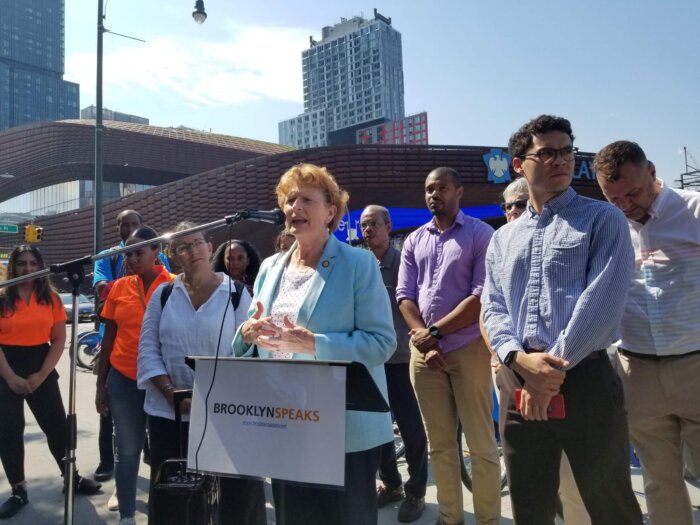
x: 31, y: 324
x: 125, y: 306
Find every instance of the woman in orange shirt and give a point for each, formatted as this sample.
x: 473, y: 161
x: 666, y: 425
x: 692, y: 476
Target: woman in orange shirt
x: 116, y: 380
x: 32, y: 338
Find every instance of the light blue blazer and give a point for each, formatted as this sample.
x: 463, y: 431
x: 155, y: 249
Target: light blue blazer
x: 347, y: 308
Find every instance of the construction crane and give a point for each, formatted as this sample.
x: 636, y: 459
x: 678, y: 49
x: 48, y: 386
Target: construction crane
x: 691, y: 178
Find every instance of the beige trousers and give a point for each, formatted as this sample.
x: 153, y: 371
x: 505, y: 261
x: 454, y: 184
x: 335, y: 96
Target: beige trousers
x: 663, y: 409
x: 461, y: 391
x: 575, y: 512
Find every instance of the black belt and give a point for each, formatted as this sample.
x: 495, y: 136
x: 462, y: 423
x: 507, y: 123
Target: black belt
x: 595, y: 354
x: 654, y: 357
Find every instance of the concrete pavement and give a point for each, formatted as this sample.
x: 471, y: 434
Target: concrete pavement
x: 44, y: 482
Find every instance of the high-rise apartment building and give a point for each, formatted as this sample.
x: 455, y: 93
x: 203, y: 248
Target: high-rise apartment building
x: 32, y: 60
x: 353, y: 79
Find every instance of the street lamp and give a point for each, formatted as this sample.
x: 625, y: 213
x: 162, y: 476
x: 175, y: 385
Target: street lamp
x: 199, y: 14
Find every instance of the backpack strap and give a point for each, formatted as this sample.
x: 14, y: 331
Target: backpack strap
x: 165, y: 293
x: 235, y: 295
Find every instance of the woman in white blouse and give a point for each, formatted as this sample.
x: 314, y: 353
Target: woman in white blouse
x: 190, y: 323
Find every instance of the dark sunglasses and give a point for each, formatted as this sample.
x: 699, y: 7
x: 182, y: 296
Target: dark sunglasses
x: 520, y: 204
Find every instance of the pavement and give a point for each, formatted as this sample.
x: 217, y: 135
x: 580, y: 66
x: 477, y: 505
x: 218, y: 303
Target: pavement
x: 46, y: 501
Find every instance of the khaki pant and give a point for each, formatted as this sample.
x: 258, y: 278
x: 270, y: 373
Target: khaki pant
x: 663, y: 407
x: 463, y: 390
x: 575, y: 512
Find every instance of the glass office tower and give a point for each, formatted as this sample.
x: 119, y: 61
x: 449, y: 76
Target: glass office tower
x: 32, y: 55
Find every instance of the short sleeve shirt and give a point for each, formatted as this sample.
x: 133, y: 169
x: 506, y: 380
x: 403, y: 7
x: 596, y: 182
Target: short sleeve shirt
x: 126, y: 305
x: 31, y: 324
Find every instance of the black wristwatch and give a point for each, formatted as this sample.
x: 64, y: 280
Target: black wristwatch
x: 434, y: 331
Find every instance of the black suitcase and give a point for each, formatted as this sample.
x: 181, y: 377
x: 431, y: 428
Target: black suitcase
x: 180, y: 497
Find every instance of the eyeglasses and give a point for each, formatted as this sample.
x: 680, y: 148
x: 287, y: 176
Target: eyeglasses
x: 547, y: 155
x: 520, y: 204
x: 187, y: 247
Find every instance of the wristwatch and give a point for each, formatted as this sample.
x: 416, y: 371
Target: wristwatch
x: 434, y: 331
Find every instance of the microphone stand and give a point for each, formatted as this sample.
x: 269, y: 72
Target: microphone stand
x: 75, y: 271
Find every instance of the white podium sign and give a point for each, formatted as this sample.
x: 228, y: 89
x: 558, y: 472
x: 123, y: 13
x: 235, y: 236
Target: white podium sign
x: 269, y: 418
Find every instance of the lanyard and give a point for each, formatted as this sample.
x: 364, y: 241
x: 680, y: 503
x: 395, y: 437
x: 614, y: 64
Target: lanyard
x: 138, y: 288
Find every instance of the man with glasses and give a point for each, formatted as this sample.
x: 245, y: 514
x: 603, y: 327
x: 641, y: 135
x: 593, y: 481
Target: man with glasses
x: 556, y: 281
x: 659, y: 354
x: 375, y: 222
x: 514, y: 203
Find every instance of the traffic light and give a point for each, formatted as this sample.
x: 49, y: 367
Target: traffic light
x: 30, y: 233
x: 38, y: 233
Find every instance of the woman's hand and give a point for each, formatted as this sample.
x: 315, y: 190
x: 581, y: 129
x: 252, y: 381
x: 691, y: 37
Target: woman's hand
x: 19, y: 385
x: 102, y: 401
x: 257, y: 326
x: 292, y: 338
x: 35, y: 380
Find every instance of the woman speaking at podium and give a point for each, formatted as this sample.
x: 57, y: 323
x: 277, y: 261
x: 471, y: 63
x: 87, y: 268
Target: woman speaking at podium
x: 324, y: 300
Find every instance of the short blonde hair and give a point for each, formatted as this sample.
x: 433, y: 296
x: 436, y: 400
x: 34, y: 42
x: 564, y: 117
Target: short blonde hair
x: 316, y: 177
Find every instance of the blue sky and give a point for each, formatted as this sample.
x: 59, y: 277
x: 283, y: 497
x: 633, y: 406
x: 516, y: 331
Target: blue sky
x: 617, y: 69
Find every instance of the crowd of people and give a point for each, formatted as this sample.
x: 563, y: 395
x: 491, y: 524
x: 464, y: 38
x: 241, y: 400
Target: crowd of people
x: 535, y: 305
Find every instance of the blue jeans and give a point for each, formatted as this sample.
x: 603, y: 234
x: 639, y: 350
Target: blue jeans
x: 126, y: 405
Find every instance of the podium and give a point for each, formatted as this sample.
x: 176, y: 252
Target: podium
x: 277, y: 418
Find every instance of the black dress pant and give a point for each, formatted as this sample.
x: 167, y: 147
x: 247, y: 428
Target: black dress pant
x: 242, y: 500
x: 403, y: 403
x: 354, y: 504
x: 594, y: 436
x: 45, y: 403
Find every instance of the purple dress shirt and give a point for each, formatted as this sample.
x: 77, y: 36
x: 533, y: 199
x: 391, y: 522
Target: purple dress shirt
x: 439, y: 270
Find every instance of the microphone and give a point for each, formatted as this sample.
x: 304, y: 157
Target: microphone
x: 275, y: 216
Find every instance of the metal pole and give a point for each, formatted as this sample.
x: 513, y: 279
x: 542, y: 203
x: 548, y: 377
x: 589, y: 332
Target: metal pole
x: 98, y: 131
x: 75, y: 276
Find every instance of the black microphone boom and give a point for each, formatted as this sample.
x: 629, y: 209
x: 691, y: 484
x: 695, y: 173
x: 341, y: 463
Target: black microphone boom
x: 275, y: 216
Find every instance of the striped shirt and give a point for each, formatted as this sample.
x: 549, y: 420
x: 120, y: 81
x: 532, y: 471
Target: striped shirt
x: 557, y: 281
x: 663, y: 305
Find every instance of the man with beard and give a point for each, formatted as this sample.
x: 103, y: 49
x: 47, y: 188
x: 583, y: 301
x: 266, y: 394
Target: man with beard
x: 440, y: 281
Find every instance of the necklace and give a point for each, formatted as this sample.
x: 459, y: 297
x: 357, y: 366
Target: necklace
x: 192, y: 288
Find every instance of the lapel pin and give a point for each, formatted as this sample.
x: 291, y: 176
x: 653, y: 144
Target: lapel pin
x: 325, y: 264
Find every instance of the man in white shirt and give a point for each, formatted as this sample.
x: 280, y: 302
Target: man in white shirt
x: 660, y: 349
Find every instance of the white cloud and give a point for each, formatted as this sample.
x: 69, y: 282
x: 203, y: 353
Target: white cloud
x: 250, y: 63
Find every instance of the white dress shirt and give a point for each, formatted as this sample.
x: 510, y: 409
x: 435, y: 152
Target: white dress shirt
x: 662, y: 314
x: 169, y: 335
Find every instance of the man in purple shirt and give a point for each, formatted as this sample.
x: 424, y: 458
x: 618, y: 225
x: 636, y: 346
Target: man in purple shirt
x: 440, y: 281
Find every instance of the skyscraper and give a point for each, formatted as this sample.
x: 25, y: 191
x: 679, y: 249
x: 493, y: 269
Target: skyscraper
x: 353, y: 79
x: 32, y: 55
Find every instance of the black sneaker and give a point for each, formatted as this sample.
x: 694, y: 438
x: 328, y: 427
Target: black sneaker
x: 87, y: 486
x: 14, y: 503
x: 103, y: 472
x: 386, y: 495
x: 411, y: 509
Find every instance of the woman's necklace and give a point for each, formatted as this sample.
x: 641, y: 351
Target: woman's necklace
x: 306, y: 267
x: 194, y: 288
